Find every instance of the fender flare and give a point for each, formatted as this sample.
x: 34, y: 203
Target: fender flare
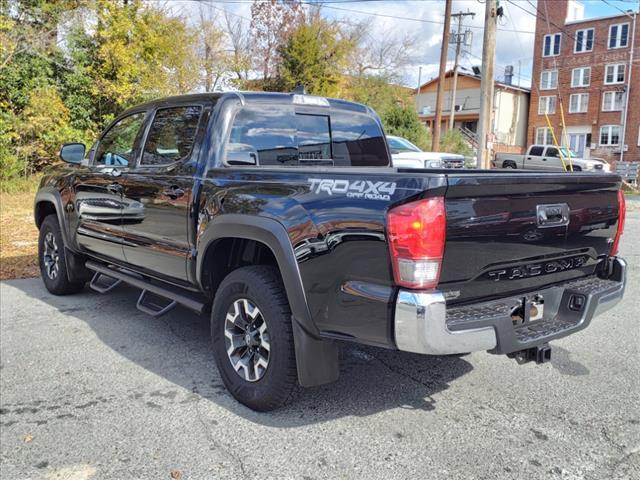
x: 50, y: 195
x: 316, y: 358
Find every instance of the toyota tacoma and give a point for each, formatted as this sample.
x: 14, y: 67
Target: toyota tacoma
x: 280, y: 217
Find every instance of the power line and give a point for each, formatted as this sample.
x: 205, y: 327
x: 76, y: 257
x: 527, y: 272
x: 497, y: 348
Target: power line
x: 420, y: 20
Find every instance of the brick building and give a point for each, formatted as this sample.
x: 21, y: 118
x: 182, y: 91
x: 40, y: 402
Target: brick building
x: 584, y: 64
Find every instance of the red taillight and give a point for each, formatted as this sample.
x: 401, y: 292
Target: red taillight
x: 622, y: 211
x: 416, y: 233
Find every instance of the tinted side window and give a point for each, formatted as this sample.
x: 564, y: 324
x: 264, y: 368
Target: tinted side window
x: 267, y: 136
x: 171, y: 135
x: 116, y: 147
x: 312, y: 134
x: 552, y: 152
x: 357, y: 141
x: 536, y: 151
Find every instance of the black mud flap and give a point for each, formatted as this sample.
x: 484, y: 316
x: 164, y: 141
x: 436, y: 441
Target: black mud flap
x: 316, y: 359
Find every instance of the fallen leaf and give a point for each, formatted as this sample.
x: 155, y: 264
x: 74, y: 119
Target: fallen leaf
x: 28, y: 439
x: 176, y: 474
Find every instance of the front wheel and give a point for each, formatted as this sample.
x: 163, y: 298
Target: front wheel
x: 252, y: 338
x: 53, y: 259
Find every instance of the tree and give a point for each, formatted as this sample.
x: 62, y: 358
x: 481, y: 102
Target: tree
x: 62, y: 78
x: 211, y: 50
x: 375, y: 91
x: 382, y: 53
x: 272, y: 23
x: 140, y: 52
x: 238, y: 37
x: 315, y: 56
x: 404, y: 122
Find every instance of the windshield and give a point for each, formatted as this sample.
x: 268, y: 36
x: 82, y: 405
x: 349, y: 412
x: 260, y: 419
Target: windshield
x: 397, y: 145
x: 568, y: 153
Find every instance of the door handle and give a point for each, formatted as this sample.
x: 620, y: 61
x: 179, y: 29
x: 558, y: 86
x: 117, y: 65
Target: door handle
x: 173, y: 192
x: 115, y: 189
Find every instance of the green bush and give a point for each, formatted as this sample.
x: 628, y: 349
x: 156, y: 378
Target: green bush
x: 454, y: 142
x: 404, y: 122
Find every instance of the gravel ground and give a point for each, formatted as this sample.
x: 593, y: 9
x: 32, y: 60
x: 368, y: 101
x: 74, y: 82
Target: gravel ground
x: 92, y: 388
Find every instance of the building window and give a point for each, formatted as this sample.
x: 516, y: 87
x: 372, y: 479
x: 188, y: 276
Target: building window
x: 610, y: 135
x: 618, y: 35
x: 548, y: 79
x: 578, y: 103
x: 547, y: 105
x: 584, y: 41
x: 614, y: 74
x: 543, y: 136
x: 581, y: 77
x: 551, y: 45
x: 612, y: 101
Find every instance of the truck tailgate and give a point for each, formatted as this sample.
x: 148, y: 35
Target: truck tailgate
x: 515, y: 232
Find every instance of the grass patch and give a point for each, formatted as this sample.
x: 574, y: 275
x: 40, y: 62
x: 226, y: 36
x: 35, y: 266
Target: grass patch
x: 18, y: 232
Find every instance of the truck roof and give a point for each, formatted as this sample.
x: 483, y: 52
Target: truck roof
x: 252, y: 97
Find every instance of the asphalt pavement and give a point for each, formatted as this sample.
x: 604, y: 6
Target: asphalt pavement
x: 91, y: 388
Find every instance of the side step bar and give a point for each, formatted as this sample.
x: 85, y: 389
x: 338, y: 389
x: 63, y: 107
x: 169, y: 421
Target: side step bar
x: 174, y: 294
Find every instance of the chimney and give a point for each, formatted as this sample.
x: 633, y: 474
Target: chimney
x: 508, y: 74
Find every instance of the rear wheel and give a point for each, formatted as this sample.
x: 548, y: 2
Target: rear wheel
x: 253, y: 339
x: 509, y: 164
x: 53, y: 259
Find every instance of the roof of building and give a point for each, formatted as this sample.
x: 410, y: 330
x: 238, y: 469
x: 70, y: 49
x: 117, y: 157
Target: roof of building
x: 604, y: 17
x: 449, y: 73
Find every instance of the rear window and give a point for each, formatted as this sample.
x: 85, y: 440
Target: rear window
x: 271, y: 136
x: 536, y: 151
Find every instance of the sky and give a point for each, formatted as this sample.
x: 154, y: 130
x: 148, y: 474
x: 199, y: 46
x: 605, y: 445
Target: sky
x: 423, y: 20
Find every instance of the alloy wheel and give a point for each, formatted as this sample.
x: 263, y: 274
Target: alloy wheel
x: 247, y: 340
x: 51, y: 256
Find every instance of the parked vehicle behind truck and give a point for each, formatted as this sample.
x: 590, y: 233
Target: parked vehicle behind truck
x: 407, y: 155
x: 279, y: 216
x: 550, y: 158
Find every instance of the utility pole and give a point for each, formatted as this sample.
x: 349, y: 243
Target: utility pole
x: 459, y: 39
x: 627, y: 94
x: 418, y: 89
x: 435, y: 139
x: 487, y: 82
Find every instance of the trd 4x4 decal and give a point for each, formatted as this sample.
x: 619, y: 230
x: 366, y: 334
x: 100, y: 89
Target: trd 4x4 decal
x: 354, y: 189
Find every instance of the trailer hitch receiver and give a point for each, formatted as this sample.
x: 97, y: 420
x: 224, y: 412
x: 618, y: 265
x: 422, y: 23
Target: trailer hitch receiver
x: 539, y: 354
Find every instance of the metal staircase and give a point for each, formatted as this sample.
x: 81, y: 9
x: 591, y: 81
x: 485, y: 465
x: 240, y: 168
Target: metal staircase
x: 470, y: 136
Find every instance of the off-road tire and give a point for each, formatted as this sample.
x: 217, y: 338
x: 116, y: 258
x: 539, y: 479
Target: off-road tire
x: 262, y: 286
x: 58, y: 284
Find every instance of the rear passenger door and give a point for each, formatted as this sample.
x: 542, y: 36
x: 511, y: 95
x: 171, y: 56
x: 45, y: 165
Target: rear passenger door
x: 553, y: 160
x: 156, y: 235
x: 534, y: 159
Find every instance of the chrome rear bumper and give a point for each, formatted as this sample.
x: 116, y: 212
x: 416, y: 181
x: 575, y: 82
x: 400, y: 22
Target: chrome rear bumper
x: 422, y: 323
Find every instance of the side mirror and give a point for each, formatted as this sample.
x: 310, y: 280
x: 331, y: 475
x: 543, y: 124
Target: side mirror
x: 72, y: 152
x: 241, y: 154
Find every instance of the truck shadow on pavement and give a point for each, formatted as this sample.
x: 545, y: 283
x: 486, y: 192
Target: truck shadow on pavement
x: 177, y: 348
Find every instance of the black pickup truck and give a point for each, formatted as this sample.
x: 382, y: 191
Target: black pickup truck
x: 280, y: 215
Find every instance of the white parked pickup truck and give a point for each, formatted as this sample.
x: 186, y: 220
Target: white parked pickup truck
x: 405, y: 154
x: 547, y: 157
